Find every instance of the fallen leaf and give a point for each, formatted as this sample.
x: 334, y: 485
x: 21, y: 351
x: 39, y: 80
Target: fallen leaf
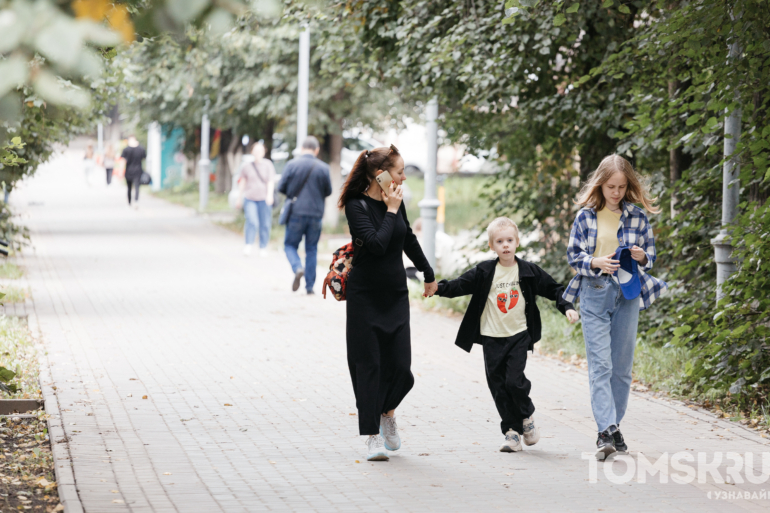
x: 60, y: 507
x: 117, y: 501
x: 358, y: 461
x: 144, y: 397
x: 167, y: 473
x: 42, y: 482
x: 228, y: 404
x: 351, y: 413
x: 271, y: 462
x: 114, y: 491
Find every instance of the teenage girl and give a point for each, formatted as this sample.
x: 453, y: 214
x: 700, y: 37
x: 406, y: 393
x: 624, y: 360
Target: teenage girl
x: 610, y: 219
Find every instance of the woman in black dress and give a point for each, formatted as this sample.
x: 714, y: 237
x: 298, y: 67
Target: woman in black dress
x: 378, y: 336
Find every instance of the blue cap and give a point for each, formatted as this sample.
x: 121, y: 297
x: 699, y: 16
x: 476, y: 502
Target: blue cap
x: 628, y: 273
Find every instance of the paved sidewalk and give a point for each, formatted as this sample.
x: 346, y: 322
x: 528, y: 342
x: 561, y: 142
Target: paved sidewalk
x: 249, y: 405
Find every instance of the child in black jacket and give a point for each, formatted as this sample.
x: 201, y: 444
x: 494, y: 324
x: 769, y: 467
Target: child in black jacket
x: 503, y: 317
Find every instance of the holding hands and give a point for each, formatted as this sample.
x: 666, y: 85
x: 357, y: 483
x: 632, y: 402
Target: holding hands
x: 572, y: 316
x: 430, y: 289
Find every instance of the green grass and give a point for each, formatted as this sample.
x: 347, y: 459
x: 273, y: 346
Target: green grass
x: 187, y: 195
x: 464, y: 207
x: 13, y: 295
x: 18, y: 353
x: 10, y: 271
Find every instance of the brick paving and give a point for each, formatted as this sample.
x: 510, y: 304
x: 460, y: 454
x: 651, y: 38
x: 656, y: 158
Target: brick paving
x: 248, y: 401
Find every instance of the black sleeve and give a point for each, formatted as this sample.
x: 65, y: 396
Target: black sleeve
x: 549, y: 289
x: 283, y: 185
x: 124, y: 152
x: 462, y: 286
x: 361, y: 227
x: 414, y: 251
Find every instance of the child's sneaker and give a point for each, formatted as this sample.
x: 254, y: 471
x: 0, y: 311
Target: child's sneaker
x: 376, y: 449
x: 605, y: 445
x: 389, y: 433
x: 512, y: 442
x: 531, y: 432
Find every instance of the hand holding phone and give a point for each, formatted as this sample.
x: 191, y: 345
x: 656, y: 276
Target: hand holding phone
x: 384, y: 179
x: 393, y: 196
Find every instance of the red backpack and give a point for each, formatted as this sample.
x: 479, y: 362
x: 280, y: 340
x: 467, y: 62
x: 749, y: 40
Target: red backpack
x: 342, y: 263
x: 337, y: 278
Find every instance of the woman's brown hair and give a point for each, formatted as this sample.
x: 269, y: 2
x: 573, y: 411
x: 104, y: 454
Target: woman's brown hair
x: 364, y: 171
x: 637, y: 191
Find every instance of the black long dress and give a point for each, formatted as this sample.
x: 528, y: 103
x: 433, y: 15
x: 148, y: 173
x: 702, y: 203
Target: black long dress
x: 378, y: 336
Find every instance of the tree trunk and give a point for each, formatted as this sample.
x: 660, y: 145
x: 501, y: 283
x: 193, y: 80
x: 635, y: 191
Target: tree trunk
x: 332, y: 213
x: 267, y: 136
x: 227, y: 144
x: 592, y: 153
x: 674, y: 156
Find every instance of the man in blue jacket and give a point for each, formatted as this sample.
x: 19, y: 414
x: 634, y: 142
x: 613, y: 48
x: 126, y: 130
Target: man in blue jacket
x: 307, y: 178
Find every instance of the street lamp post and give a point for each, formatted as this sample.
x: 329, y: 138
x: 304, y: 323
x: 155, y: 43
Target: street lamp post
x: 731, y: 171
x: 204, y: 162
x: 430, y: 203
x: 303, y: 82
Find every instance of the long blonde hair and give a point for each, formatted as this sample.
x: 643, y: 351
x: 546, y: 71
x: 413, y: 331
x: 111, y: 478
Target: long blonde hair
x: 637, y: 190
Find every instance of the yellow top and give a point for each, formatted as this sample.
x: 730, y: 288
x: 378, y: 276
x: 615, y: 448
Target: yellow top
x: 504, y: 312
x: 607, y: 223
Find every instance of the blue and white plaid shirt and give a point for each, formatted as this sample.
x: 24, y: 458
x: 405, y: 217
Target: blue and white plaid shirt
x: 633, y: 229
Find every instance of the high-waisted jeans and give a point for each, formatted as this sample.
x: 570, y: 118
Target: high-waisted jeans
x: 609, y: 330
x: 257, y: 213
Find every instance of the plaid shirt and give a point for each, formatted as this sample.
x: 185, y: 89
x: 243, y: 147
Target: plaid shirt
x: 633, y: 229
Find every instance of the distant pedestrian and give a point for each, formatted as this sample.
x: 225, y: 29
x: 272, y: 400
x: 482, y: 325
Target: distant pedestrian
x: 612, y: 248
x: 109, y: 162
x: 133, y: 154
x: 379, y: 342
x: 504, y: 318
x: 307, y: 179
x: 89, y: 163
x: 257, y: 185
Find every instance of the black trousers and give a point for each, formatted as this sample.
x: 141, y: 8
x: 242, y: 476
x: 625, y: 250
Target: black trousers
x: 379, y: 365
x: 109, y: 175
x: 135, y: 183
x: 505, y: 360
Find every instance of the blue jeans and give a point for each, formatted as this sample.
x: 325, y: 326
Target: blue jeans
x: 609, y: 331
x: 310, y: 228
x: 253, y: 210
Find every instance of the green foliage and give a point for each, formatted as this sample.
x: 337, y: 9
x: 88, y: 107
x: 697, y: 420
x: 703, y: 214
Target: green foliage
x: 18, y: 359
x: 556, y: 86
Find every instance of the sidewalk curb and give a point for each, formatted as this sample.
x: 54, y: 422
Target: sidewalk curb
x: 62, y: 460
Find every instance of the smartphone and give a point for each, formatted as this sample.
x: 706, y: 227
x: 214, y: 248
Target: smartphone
x: 384, y: 179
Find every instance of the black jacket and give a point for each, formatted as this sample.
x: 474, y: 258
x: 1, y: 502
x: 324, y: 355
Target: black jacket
x: 478, y: 281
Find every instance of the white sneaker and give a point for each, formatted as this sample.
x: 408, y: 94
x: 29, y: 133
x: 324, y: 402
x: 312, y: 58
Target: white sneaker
x: 263, y: 252
x: 247, y: 249
x: 531, y: 432
x: 376, y: 449
x: 512, y: 442
x: 389, y: 433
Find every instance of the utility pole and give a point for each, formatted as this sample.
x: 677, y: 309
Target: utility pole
x: 731, y: 171
x: 430, y: 203
x: 154, y: 154
x: 204, y: 162
x: 100, y: 138
x: 303, y: 82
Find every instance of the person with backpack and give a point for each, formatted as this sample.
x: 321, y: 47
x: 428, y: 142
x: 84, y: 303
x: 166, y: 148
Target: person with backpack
x: 378, y: 332
x: 306, y: 182
x: 257, y: 183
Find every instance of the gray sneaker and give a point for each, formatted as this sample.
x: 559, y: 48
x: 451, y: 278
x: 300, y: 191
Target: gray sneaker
x: 389, y: 433
x: 376, y: 449
x: 531, y: 432
x: 297, y: 279
x: 512, y: 442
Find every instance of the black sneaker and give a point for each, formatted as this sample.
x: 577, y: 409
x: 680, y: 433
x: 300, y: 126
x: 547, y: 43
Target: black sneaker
x: 620, y: 444
x: 605, y: 445
x: 297, y: 278
x: 310, y: 293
